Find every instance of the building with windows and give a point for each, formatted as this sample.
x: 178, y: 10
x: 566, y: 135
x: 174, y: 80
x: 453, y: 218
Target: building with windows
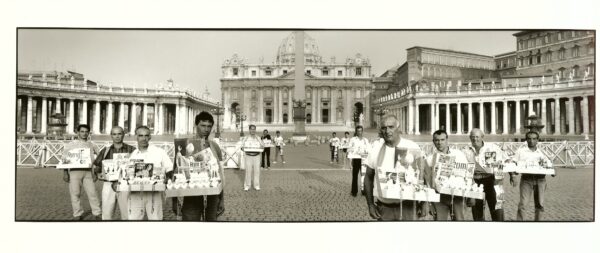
x: 166, y: 110
x: 337, y: 93
x: 458, y: 91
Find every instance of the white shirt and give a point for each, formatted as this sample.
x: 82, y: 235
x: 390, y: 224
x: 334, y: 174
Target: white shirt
x: 335, y: 141
x: 344, y: 142
x: 154, y: 155
x: 458, y: 156
x: 279, y: 141
x: 359, y: 145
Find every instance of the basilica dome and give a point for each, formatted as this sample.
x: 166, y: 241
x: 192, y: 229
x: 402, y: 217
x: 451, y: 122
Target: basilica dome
x: 286, y: 51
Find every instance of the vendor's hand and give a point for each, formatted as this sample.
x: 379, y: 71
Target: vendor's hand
x: 66, y: 177
x: 470, y: 202
x: 94, y: 176
x: 513, y: 180
x: 374, y: 212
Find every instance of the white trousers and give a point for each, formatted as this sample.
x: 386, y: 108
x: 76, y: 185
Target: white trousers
x: 148, y: 203
x: 109, y: 200
x: 252, y: 169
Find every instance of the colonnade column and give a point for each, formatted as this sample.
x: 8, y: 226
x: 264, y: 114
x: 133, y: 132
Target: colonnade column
x: 177, y: 118
x: 44, y: 115
x: 470, y: 115
x: 417, y: 132
x: 557, y: 125
x: 505, y: 118
x: 145, y: 115
x: 432, y: 121
x: 544, y: 121
x: 133, y: 119
x: 571, y: 115
x: 71, y: 126
x: 122, y: 115
x: 411, y: 113
x: 448, y: 128
x: 97, y: 117
x: 156, y: 120
x: 83, y: 119
x: 161, y: 118
x: 481, y: 117
x: 493, y: 110
x: 585, y: 114
x: 458, y: 119
x: 58, y: 109
x: 109, y: 117
x: 517, y: 117
x: 530, y: 108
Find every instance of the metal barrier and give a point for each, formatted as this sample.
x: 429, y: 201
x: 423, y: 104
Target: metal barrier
x: 42, y: 153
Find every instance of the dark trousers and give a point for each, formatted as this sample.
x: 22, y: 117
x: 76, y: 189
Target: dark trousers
x: 267, y: 154
x: 355, y: 171
x: 333, y: 155
x: 193, y: 208
x: 391, y: 212
x: 490, y: 198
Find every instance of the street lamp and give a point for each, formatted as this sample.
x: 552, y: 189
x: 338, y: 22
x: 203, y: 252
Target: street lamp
x: 380, y: 111
x: 218, y: 111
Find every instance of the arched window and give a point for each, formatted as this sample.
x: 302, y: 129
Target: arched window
x: 576, y: 72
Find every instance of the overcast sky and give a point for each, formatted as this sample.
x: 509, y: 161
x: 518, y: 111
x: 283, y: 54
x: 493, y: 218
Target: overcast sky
x: 193, y: 58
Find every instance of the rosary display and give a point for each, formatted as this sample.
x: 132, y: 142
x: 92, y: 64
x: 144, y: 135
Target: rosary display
x: 541, y: 166
x: 456, y: 179
x: 403, y: 182
x: 76, y: 158
x: 141, y: 176
x: 195, y: 173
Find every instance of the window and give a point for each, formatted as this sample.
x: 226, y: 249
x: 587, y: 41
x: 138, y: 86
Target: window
x: 253, y: 72
x: 538, y: 59
x: 538, y: 41
x: 576, y: 71
x: 308, y: 71
x: 285, y: 104
x: 520, y: 62
x: 253, y: 94
x: 339, y: 93
x: 235, y: 71
x: 530, y: 60
x: 325, y: 72
x: 560, y: 37
x: 285, y: 71
x: 548, y: 57
x: 358, y: 71
x: 561, y: 54
x: 547, y: 39
x: 561, y: 73
x: 268, y: 72
x: 520, y: 44
x: 339, y: 73
x: 268, y: 104
x: 575, y: 51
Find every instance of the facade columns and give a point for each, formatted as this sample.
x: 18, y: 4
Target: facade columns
x: 333, y: 106
x: 156, y: 119
x: 71, y: 126
x: 530, y: 108
x: 493, y: 128
x: 83, y: 119
x: 417, y: 132
x: 290, y: 108
x: 459, y: 122
x: 481, y: 117
x: 505, y: 118
x: 161, y: 118
x: 411, y: 113
x: 585, y: 115
x: 544, y: 120
x: 44, y: 115
x: 470, y: 115
x: 96, y: 120
x: 133, y: 119
x: 571, y: 115
x: 518, y: 117
x: 557, y: 125
x: 447, y: 127
x: 109, y: 117
x: 318, y: 107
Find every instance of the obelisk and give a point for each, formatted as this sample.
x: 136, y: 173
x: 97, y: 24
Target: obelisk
x: 299, y: 89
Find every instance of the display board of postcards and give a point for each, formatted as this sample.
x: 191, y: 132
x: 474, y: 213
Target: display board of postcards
x: 454, y: 178
x: 403, y: 181
x: 76, y: 158
x: 196, y: 169
x: 137, y: 175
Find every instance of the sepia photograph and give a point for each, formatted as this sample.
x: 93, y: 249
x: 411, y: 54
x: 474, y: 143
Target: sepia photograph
x: 527, y: 98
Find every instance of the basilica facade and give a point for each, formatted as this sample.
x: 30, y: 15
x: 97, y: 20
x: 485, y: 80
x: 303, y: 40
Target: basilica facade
x: 338, y: 94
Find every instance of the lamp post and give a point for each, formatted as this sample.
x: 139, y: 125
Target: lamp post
x: 242, y: 117
x: 380, y: 111
x: 218, y: 111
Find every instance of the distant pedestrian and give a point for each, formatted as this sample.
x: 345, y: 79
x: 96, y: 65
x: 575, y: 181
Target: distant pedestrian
x: 279, y: 143
x: 265, y: 161
x: 359, y: 146
x: 334, y: 144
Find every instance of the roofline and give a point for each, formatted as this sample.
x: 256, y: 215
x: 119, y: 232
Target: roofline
x: 505, y: 54
x: 448, y: 50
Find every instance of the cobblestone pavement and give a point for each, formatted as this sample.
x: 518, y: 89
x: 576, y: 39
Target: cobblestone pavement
x: 297, y: 195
